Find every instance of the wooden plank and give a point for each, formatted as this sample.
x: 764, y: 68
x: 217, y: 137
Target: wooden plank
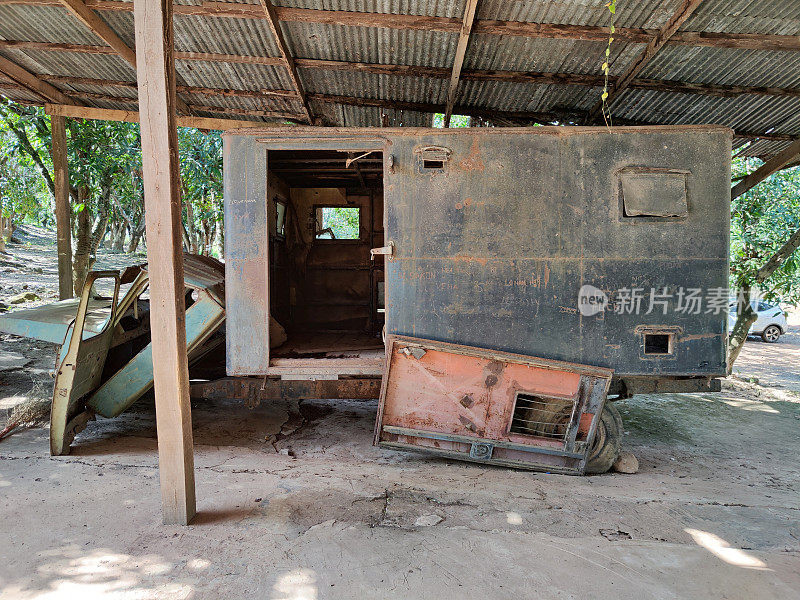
x: 33, y: 83
x: 458, y: 62
x: 58, y: 152
x: 156, y: 73
x: 91, y: 49
x: 435, y: 108
x: 577, y: 79
x: 748, y: 41
x: 654, y: 45
x: 776, y: 163
x: 288, y: 60
x: 100, y: 28
x: 258, y: 94
x: 132, y: 116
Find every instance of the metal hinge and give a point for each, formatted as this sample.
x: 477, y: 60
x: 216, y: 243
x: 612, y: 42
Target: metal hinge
x: 388, y: 251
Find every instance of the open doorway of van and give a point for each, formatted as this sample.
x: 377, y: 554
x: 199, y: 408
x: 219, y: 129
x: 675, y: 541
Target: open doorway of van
x: 326, y: 213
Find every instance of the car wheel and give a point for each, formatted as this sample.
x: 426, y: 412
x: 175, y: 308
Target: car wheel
x: 771, y: 334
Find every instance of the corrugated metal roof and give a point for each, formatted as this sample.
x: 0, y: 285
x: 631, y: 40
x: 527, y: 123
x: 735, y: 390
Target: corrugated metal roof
x: 432, y: 8
x: 778, y: 17
x: 435, y: 48
x: 43, y: 24
x: 646, y: 14
x: 371, y: 44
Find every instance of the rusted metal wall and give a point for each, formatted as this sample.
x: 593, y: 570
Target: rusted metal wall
x: 246, y: 251
x: 492, y: 250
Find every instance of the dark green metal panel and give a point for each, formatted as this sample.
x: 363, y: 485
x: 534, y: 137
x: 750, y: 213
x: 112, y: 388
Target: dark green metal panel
x: 492, y: 250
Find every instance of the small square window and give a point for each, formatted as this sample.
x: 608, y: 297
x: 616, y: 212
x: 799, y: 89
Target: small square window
x: 337, y: 222
x: 657, y: 343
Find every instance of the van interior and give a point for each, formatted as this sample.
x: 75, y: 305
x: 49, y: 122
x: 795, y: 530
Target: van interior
x: 326, y: 213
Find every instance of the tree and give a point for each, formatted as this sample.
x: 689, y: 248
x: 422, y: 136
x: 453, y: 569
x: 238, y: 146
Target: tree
x: 201, y: 187
x: 765, y: 234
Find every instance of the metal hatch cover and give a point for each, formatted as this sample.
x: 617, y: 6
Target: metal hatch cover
x: 488, y: 406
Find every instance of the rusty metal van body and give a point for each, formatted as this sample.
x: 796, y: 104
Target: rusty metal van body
x: 487, y: 238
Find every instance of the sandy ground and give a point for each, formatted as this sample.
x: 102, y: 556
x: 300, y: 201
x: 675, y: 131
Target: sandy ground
x: 712, y: 513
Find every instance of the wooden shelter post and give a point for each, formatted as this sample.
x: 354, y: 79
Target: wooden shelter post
x: 58, y: 152
x: 157, y: 101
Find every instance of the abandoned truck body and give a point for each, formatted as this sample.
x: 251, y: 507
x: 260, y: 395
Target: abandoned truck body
x: 519, y: 276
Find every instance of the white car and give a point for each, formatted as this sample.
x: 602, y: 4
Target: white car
x: 770, y: 325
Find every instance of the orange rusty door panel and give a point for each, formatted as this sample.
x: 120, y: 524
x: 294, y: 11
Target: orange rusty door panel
x: 489, y: 406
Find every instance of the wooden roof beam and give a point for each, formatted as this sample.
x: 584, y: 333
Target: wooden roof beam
x: 275, y: 27
x: 33, y: 83
x: 776, y: 163
x: 458, y: 61
x: 132, y: 116
x: 102, y: 30
x: 654, y: 45
x: 575, y: 79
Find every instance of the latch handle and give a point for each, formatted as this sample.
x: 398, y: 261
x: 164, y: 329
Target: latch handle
x: 385, y: 250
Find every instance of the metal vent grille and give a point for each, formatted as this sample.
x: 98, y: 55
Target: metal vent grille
x: 542, y: 417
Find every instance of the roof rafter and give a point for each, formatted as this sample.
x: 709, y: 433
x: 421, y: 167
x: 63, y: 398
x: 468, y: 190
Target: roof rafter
x: 654, y: 45
x: 748, y: 41
x: 274, y: 24
x: 458, y: 61
x: 102, y: 30
x: 33, y: 83
x: 132, y: 116
x: 510, y: 117
x: 573, y: 79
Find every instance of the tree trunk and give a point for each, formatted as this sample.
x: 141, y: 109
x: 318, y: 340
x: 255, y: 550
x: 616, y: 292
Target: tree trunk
x: 83, y: 243
x: 136, y: 237
x: 2, y: 230
x: 745, y: 314
x: 745, y: 317
x: 118, y: 244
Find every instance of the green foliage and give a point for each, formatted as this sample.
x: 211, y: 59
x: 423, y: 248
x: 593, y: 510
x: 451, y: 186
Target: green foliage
x: 762, y: 220
x: 343, y: 221
x: 105, y: 168
x: 201, y: 175
x: 23, y: 191
x: 455, y: 120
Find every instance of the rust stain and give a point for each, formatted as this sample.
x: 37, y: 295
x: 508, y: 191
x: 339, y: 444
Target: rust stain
x: 698, y: 336
x: 459, y: 206
x: 546, y: 275
x: 473, y: 161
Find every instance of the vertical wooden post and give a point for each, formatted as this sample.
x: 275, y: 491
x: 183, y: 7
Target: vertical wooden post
x: 157, y: 100
x: 58, y: 151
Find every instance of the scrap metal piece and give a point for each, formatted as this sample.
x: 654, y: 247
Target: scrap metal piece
x: 488, y: 406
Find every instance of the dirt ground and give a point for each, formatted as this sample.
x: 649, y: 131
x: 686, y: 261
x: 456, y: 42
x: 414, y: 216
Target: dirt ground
x: 712, y: 513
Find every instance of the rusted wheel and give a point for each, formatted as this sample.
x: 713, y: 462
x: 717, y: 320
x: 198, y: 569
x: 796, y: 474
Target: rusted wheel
x: 607, y: 441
